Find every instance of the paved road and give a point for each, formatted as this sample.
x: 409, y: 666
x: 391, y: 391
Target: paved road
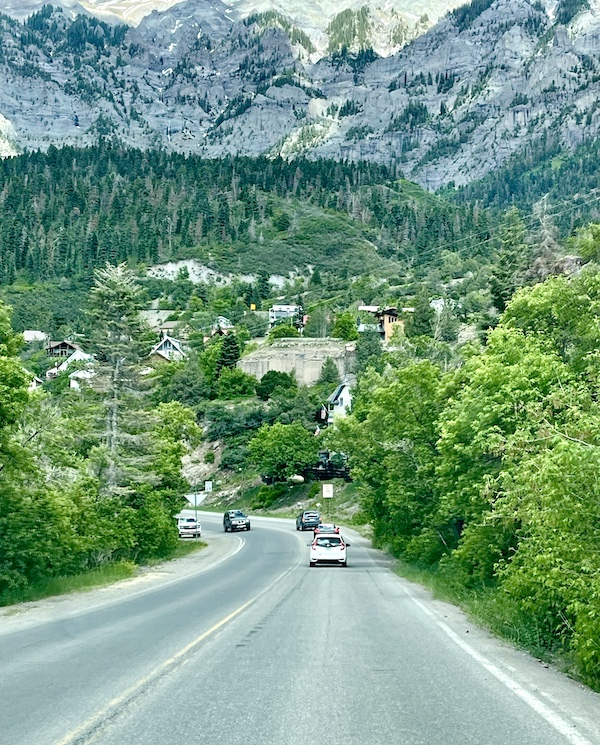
x: 261, y: 649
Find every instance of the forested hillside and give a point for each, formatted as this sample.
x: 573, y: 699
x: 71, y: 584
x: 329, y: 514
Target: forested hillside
x: 70, y: 210
x: 566, y: 181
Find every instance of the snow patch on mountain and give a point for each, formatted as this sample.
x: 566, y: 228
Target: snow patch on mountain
x: 7, y: 138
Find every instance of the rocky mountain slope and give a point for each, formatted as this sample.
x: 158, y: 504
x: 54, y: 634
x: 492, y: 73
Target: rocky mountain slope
x: 485, y: 82
x: 384, y: 25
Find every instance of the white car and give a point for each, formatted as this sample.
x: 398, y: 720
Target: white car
x: 328, y: 548
x: 189, y: 527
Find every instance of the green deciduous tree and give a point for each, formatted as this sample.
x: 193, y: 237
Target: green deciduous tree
x: 234, y: 383
x: 281, y: 450
x: 272, y: 382
x: 283, y: 331
x: 344, y: 327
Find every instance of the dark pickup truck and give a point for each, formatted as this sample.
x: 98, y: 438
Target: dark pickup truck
x: 308, y: 520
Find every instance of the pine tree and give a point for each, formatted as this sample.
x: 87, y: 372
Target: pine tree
x: 230, y: 353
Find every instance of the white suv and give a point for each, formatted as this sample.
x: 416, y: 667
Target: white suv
x: 328, y: 548
x: 189, y: 527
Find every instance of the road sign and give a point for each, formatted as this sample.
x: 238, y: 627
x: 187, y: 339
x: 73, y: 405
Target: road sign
x: 208, y: 485
x: 327, y: 491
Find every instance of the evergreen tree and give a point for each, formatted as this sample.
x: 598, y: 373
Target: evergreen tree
x: 229, y: 354
x: 329, y: 373
x: 262, y: 284
x: 420, y: 322
x: 369, y: 350
x: 116, y: 338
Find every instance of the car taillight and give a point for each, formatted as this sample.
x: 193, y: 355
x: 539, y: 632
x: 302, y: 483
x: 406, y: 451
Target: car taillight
x: 314, y: 546
x: 342, y: 546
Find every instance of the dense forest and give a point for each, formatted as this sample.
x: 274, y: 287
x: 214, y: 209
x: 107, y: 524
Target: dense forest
x: 567, y: 182
x: 68, y: 211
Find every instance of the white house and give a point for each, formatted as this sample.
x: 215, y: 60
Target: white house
x: 340, y: 402
x: 31, y: 335
x: 76, y: 377
x: 77, y: 356
x: 282, y: 313
x: 35, y: 383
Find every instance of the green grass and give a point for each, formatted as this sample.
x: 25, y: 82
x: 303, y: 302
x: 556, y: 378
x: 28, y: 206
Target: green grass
x: 285, y: 503
x: 100, y: 576
x: 50, y: 586
x: 184, y: 547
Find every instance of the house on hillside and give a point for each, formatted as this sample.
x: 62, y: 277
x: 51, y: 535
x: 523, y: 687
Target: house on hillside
x: 64, y: 348
x: 168, y: 349
x: 386, y: 323
x: 35, y: 382
x: 78, y: 355
x: 221, y: 327
x: 30, y: 336
x: 340, y: 402
x: 77, y: 377
x: 284, y: 313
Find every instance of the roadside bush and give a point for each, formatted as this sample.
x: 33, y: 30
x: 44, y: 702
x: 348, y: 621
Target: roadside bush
x: 268, y: 495
x: 284, y: 331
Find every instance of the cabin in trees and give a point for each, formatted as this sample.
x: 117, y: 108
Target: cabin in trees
x: 78, y: 355
x: 289, y: 314
x: 168, y: 349
x: 64, y: 348
x: 386, y: 320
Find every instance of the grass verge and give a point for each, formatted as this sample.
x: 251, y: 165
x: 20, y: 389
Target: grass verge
x: 106, y: 574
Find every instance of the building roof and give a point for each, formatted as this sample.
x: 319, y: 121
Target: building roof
x: 52, y: 344
x: 168, y: 348
x: 31, y: 335
x: 78, y: 356
x: 337, y: 393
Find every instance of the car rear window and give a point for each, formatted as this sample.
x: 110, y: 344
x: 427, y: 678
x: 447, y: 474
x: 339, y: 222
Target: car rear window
x: 329, y: 541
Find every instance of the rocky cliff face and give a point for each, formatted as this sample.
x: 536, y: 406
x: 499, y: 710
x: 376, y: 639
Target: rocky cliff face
x: 384, y: 25
x: 456, y: 102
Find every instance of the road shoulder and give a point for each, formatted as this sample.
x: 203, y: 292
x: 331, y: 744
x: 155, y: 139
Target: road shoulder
x: 25, y: 615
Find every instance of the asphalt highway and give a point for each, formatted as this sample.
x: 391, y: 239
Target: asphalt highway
x: 261, y: 649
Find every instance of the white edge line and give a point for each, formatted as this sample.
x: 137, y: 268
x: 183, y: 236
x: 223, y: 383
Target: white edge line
x: 566, y: 729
